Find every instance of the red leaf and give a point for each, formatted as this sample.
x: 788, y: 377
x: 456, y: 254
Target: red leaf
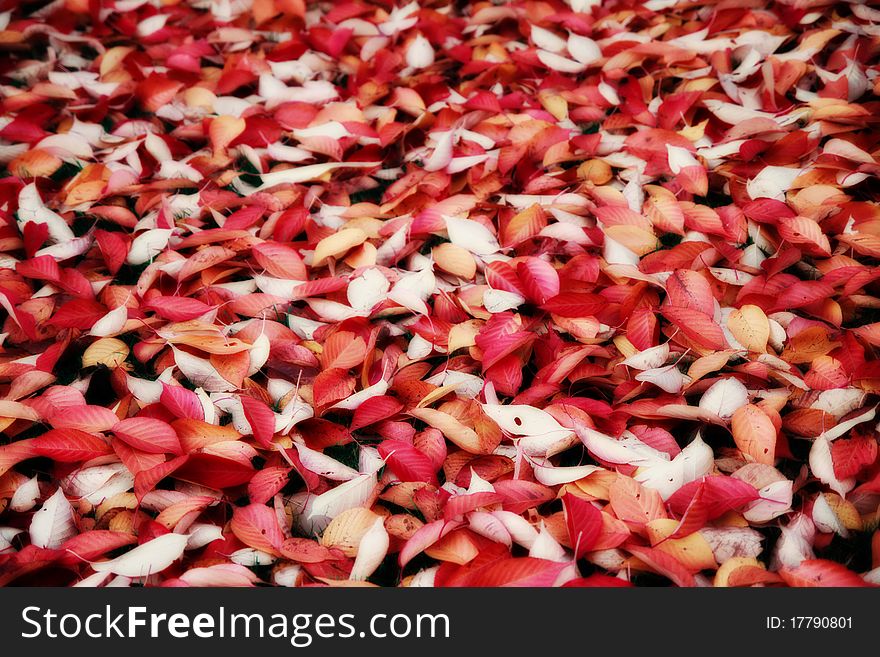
x: 256, y: 525
x: 801, y: 294
x: 135, y: 460
x: 182, y: 402
x: 664, y: 564
x: 92, y: 544
x: 70, y: 445
x: 515, y: 572
x: 584, y: 522
x: 330, y: 386
x: 539, y: 279
x: 697, y: 326
x: 114, y: 249
x: 689, y: 289
x: 850, y: 455
x: 146, y: 480
x: 261, y: 418
x: 375, y: 409
x: 821, y: 572
x: 148, y: 435
x: 575, y: 304
x: 214, y: 471
x: 267, y: 483
x: 717, y: 494
x: 597, y: 580
x: 519, y: 496
x: 501, y: 336
x: 177, y: 309
x: 408, y: 463
x: 79, y: 313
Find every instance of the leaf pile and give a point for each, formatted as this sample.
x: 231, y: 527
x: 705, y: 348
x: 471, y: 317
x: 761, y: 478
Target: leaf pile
x: 534, y: 293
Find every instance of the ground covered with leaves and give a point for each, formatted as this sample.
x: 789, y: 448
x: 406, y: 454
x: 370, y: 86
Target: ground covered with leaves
x: 534, y: 293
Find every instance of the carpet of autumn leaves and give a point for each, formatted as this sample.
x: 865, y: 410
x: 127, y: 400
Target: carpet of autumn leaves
x: 439, y: 293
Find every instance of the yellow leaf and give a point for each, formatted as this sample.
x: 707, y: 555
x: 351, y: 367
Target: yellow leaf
x: 635, y: 238
x: 693, y: 551
x: 750, y: 326
x: 347, y: 529
x: 463, y: 335
x: 732, y: 564
x: 436, y: 394
x: 337, y: 244
x: 223, y: 130
x: 455, y: 260
x: 710, y: 363
x: 845, y: 511
x: 112, y: 59
x: 109, y: 352
x: 458, y: 433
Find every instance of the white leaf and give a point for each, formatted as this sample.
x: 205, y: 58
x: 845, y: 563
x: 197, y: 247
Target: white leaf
x: 471, y: 235
x: 371, y: 551
x: 352, y: 402
x: 822, y: 467
x: 442, y: 155
x: 796, y: 543
x: 522, y: 420
x: 497, y: 301
x: 99, y: 482
x: 323, y: 465
x: 148, y: 245
x: 839, y: 401
x: 31, y: 208
x: 697, y: 459
x: 53, y: 524
x: 584, y: 49
x: 546, y: 39
x: 520, y: 530
x: 367, y: 290
x: 841, y: 428
x: 772, y: 182
x: 319, y: 510
x: 549, y: 475
x: 152, y: 24
x: 694, y: 461
x: 724, y: 397
x: 146, y: 559
x: 286, y: 576
x: 158, y: 148
x: 258, y: 354
x: 111, y: 323
x: 649, y: 358
x: 200, y: 372
x: 606, y: 448
x: 559, y: 63
x: 412, y: 290
x: 616, y: 253
x: 488, y: 526
x: 25, y: 496
x: 419, y: 54
x: 279, y: 287
x: 250, y: 557
x: 730, y: 542
x: 680, y: 158
x: 6, y: 536
x: 775, y: 500
x: 668, y: 379
x: 299, y: 175
x: 825, y: 519
x: 546, y: 547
